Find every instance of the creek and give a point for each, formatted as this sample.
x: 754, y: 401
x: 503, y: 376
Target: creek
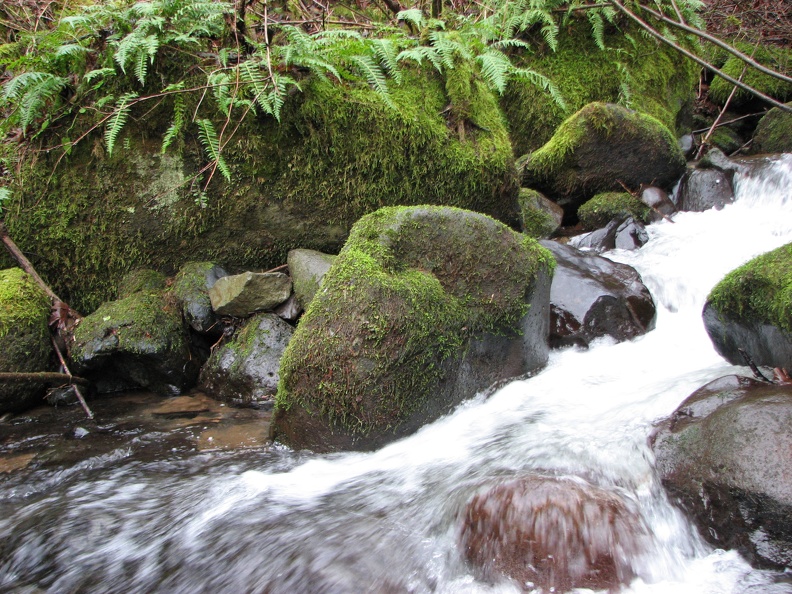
x: 274, y: 520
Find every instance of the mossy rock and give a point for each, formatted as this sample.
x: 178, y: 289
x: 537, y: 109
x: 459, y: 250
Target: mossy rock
x: 338, y: 153
x: 539, y: 217
x: 423, y: 307
x: 143, y: 279
x: 774, y: 132
x: 637, y: 72
x: 726, y: 139
x: 191, y: 287
x: 24, y: 337
x: 774, y: 57
x: 600, y: 148
x: 605, y: 207
x: 139, y: 340
x: 751, y: 309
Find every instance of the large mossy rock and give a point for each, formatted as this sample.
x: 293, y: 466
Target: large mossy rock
x: 751, y: 309
x: 24, y: 337
x: 725, y: 456
x: 598, y: 149
x: 338, y: 153
x: 775, y: 57
x: 774, y: 133
x: 424, y: 307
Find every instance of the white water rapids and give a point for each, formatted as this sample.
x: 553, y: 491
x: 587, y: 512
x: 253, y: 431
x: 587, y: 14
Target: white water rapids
x: 387, y: 521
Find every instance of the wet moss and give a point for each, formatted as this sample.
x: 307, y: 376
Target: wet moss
x: 24, y: 307
x: 774, y: 133
x: 535, y: 222
x: 759, y: 291
x: 142, y: 279
x: 777, y: 58
x: 604, y: 207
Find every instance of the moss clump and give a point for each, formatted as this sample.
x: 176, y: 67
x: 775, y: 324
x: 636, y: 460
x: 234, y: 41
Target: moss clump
x: 774, y: 132
x: 142, y: 279
x: 759, y: 291
x: 338, y: 153
x: 605, y: 207
x: 633, y: 70
x: 726, y: 139
x: 535, y: 221
x: 404, y: 296
x: 777, y: 58
x: 24, y: 306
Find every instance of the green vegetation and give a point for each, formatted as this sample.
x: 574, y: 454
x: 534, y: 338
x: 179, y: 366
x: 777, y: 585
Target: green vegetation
x: 759, y: 291
x: 24, y: 307
x: 534, y: 220
x: 776, y: 58
x: 603, y: 208
x: 774, y: 133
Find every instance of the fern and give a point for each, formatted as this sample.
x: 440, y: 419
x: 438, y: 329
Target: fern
x: 375, y: 77
x: 5, y: 196
x: 177, y: 124
x: 597, y: 28
x: 495, y: 68
x: 116, y: 122
x: 413, y: 16
x: 34, y: 94
x: 211, y: 146
x: 385, y: 50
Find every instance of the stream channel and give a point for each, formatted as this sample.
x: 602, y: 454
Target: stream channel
x: 268, y: 519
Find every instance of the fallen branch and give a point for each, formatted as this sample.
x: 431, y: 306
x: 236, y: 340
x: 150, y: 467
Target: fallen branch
x: 77, y: 392
x: 42, y: 376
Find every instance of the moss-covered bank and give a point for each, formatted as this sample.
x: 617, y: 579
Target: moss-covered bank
x: 339, y: 153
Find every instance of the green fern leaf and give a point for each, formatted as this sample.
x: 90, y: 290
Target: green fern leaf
x: 413, y: 15
x: 211, y: 145
x: 597, y: 28
x: 374, y: 76
x: 177, y: 124
x: 495, y: 67
x: 116, y: 122
x: 385, y: 50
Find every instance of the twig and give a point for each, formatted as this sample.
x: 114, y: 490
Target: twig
x: 277, y: 268
x: 749, y: 362
x: 66, y: 369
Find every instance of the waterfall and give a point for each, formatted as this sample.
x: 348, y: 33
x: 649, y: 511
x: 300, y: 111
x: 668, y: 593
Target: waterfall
x: 388, y: 521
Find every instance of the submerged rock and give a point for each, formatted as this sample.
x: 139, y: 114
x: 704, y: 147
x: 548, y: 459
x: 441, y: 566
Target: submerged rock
x: 245, y: 370
x: 553, y: 533
x: 24, y: 338
x: 592, y: 297
x: 725, y: 456
x: 244, y: 294
x: 424, y: 307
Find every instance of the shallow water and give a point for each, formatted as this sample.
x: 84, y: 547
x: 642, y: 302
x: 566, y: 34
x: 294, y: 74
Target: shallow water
x: 274, y: 520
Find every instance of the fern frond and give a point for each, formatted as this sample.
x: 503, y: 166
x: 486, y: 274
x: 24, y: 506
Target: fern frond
x: 211, y: 146
x: 597, y: 28
x: 71, y: 50
x: 5, y: 196
x: 413, y: 15
x: 33, y: 92
x: 116, y: 122
x: 375, y: 77
x: 495, y: 67
x: 385, y: 50
x: 98, y: 73
x: 541, y: 81
x: 420, y: 53
x: 177, y: 124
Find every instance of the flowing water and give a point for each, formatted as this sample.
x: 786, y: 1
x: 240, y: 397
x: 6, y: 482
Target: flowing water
x: 273, y: 520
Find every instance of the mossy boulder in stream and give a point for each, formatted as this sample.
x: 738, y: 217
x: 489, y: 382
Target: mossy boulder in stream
x: 600, y: 148
x: 424, y: 307
x: 24, y: 337
x: 751, y: 310
x: 338, y: 153
x: 774, y: 132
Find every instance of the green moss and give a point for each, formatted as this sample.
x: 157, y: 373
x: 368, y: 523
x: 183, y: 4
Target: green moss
x: 191, y: 280
x: 142, y: 279
x: 759, y: 291
x: 774, y: 133
x: 634, y: 71
x: 339, y: 153
x: 24, y: 307
x: 409, y: 289
x: 535, y: 222
x: 605, y: 207
x: 726, y: 139
x: 777, y: 58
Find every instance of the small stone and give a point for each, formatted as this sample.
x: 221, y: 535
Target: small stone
x: 244, y: 294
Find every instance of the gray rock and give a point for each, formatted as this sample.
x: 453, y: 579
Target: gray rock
x: 687, y: 144
x: 702, y: 189
x: 307, y: 268
x: 592, y: 297
x: 290, y: 309
x: 657, y: 199
x: 623, y: 234
x: 725, y: 456
x: 244, y: 294
x: 191, y: 286
x: 245, y: 370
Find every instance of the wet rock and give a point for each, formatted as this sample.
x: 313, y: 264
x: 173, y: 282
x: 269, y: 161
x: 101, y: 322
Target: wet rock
x: 623, y: 234
x: 715, y: 159
x: 540, y: 217
x: 599, y: 147
x: 702, y: 189
x: 725, y: 456
x: 24, y: 338
x: 773, y: 133
x: 552, y: 533
x: 424, y: 307
x: 191, y: 287
x: 657, y: 199
x: 244, y: 294
x: 608, y: 206
x: 135, y: 341
x: 245, y: 371
x: 592, y: 297
x: 307, y: 268
x: 687, y: 144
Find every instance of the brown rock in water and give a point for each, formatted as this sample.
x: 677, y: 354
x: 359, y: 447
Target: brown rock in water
x: 550, y: 532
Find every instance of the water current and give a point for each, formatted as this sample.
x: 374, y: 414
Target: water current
x: 274, y: 520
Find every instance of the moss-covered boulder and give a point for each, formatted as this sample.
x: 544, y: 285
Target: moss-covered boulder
x: 424, y: 307
x: 604, y: 207
x: 540, y: 217
x: 137, y: 341
x: 774, y: 133
x: 24, y: 337
x: 751, y: 309
x: 338, y: 153
x: 600, y: 148
x: 774, y: 57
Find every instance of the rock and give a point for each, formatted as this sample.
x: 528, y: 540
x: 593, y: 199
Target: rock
x: 191, y: 287
x: 657, y: 199
x: 307, y: 268
x: 245, y: 370
x: 24, y: 338
x: 540, y: 217
x: 702, y: 189
x: 687, y: 144
x: 553, y: 533
x: 290, y: 309
x: 243, y: 294
x: 592, y: 297
x: 622, y: 233
x: 773, y: 133
x: 751, y: 309
x: 142, y: 279
x: 725, y: 456
x: 607, y: 206
x: 599, y: 147
x: 135, y: 341
x: 424, y: 307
